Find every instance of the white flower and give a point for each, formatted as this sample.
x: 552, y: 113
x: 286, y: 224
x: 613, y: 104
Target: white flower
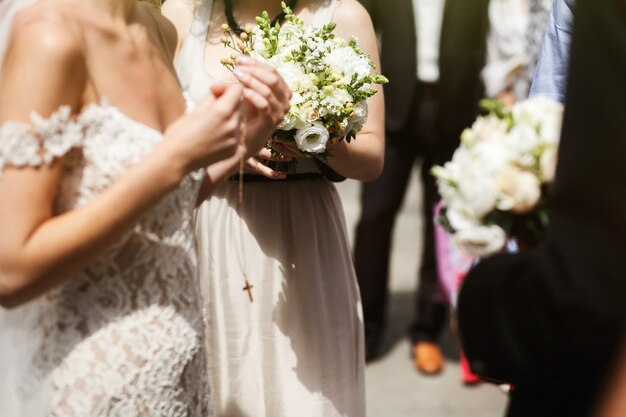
x: 520, y: 191
x: 341, y: 96
x: 523, y: 140
x: 346, y: 62
x: 487, y: 128
x: 481, y: 240
x: 312, y: 138
x: 359, y: 117
x: 461, y: 216
x: 294, y: 76
x: 291, y: 121
x: 544, y: 114
x: 547, y: 164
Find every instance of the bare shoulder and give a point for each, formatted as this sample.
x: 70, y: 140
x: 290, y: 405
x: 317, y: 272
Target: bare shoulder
x: 352, y: 14
x: 46, y: 33
x: 180, y: 13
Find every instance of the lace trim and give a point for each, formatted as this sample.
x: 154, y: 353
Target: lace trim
x: 41, y: 141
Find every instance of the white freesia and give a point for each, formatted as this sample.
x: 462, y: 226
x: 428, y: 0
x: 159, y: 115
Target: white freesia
x: 520, y: 190
x: 312, y: 138
x: 481, y: 240
x: 347, y: 62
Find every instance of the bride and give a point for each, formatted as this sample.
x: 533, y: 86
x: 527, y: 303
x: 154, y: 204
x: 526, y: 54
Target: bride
x: 99, y: 175
x: 297, y: 348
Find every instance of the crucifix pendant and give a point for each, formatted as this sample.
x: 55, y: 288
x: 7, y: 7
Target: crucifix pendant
x: 248, y: 288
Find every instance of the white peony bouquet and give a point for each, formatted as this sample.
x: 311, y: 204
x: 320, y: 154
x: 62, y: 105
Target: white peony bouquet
x: 496, y: 185
x: 330, y: 77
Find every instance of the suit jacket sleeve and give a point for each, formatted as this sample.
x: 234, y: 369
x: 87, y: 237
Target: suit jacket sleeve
x: 555, y: 317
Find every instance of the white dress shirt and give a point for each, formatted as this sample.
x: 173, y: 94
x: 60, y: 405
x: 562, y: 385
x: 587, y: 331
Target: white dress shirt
x: 428, y: 21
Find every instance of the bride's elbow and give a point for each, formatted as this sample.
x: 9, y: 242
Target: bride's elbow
x: 11, y: 288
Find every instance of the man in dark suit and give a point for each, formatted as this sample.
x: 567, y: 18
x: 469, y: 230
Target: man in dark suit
x: 552, y: 321
x: 428, y: 104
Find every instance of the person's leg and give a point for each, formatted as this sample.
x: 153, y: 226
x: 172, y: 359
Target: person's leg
x: 380, y: 202
x: 430, y: 305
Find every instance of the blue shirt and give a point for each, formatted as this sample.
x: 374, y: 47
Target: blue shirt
x: 552, y: 68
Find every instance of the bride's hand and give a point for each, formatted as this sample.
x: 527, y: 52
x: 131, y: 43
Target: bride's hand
x: 210, y: 133
x: 267, y: 98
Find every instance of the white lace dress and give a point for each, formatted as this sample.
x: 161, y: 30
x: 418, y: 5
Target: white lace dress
x: 297, y: 350
x: 126, y: 336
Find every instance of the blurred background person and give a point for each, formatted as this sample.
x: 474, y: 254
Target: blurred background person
x: 516, y: 32
x: 553, y: 66
x: 551, y: 321
x: 514, y: 43
x: 433, y: 52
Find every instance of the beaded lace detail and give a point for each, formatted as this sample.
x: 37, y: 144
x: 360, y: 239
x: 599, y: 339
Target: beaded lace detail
x: 126, y: 336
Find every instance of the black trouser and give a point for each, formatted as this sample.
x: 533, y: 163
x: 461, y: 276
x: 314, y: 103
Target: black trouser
x: 381, y: 201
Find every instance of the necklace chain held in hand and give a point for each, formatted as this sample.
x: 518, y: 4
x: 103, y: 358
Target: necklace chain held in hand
x: 230, y: 18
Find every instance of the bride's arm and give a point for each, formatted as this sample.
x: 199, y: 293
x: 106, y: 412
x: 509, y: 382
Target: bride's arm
x: 363, y: 158
x: 43, y: 70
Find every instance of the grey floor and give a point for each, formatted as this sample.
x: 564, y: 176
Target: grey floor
x: 394, y: 388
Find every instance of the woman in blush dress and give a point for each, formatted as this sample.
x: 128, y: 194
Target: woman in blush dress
x: 296, y: 349
x: 100, y: 172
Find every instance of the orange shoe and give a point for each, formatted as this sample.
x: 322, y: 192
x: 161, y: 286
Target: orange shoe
x: 428, y: 358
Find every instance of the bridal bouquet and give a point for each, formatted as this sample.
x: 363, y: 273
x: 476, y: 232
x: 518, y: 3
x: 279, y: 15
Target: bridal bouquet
x: 330, y: 77
x: 496, y: 185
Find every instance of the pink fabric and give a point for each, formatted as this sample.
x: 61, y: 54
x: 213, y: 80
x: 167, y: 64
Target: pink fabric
x: 452, y: 262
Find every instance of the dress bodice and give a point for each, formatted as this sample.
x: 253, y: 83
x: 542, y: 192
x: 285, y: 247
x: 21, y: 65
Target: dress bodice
x: 125, y: 336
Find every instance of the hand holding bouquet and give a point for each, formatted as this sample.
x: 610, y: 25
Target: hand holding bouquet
x: 497, y: 184
x: 330, y: 78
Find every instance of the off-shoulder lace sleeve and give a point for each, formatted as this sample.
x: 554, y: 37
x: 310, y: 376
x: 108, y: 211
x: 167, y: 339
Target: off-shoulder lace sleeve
x: 39, y: 142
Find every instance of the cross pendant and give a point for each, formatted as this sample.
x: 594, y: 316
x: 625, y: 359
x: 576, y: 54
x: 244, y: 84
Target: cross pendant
x: 249, y: 288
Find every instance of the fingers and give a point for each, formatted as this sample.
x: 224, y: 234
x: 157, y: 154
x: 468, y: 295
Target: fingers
x: 260, y: 95
x: 218, y: 89
x: 267, y: 75
x: 267, y: 155
x: 264, y: 170
x: 226, y: 103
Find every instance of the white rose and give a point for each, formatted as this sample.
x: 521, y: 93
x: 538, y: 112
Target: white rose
x: 520, y: 191
x: 547, y: 164
x: 312, y: 138
x: 481, y: 240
